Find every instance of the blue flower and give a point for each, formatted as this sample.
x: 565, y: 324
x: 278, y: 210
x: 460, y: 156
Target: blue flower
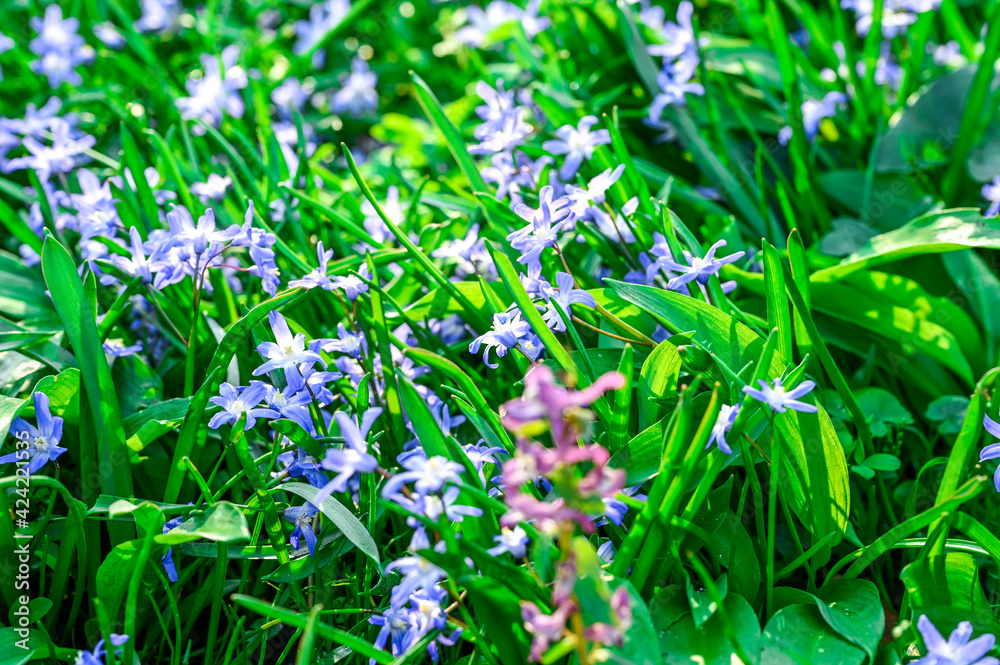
x: 813, y: 113
x: 60, y: 156
x: 96, y: 657
x: 723, y: 423
x: 323, y: 17
x: 213, y: 189
x: 159, y: 15
x: 42, y: 441
x: 545, y: 224
x: 354, y: 458
x: 515, y: 541
x: 699, y: 269
x: 348, y: 342
x: 292, y: 403
x: 680, y: 38
x: 564, y: 296
x: 357, y: 95
x: 418, y: 574
x: 508, y: 330
x: 301, y: 517
x: 503, y: 135
x: 168, y: 559
x: 59, y: 48
x: 216, y: 91
x: 779, y: 399
x: 577, y: 144
x: 958, y: 650
x: 236, y: 402
x: 317, y: 277
x: 138, y: 265
x: 300, y: 464
x: 354, y: 285
x: 428, y: 474
x: 992, y: 451
x: 117, y: 349
x: 288, y: 351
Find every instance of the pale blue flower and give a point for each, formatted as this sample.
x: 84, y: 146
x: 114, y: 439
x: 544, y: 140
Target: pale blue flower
x: 97, y: 656
x: 216, y: 92
x: 42, y: 441
x: 117, y: 349
x: 699, y: 269
x: 481, y: 22
x: 213, y: 189
x: 318, y: 277
x: 813, y: 113
x: 108, y: 33
x: 428, y: 474
x: 673, y: 92
x: 779, y: 399
x: 354, y: 457
x: 301, y: 517
x: 236, y: 402
x: 62, y: 155
x: 168, y: 559
x: 992, y: 451
x: 357, y: 95
x: 159, y: 15
x: 288, y: 351
x: 960, y: 649
x: 59, y: 47
x: 565, y: 295
x: 577, y: 144
x: 512, y: 540
x: 323, y: 17
x: 507, y: 133
x: 723, y: 423
x: 354, y: 285
x: 508, y: 330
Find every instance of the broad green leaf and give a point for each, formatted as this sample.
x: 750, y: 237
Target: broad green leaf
x: 658, y: 384
x: 222, y: 522
x: 797, y: 634
x: 80, y: 324
x: 852, y: 608
x: 683, y: 643
x: 933, y: 233
x: 340, y: 516
x: 947, y: 589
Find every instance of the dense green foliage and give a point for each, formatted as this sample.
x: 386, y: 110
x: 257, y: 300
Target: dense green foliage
x: 413, y: 331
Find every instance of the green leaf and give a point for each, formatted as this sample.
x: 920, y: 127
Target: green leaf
x: 296, y: 620
x: 933, y: 233
x: 949, y: 412
x: 340, y: 516
x: 222, y: 522
x: 78, y: 320
x: 658, y: 384
x: 947, y: 589
x: 683, y: 643
x: 852, y: 608
x: 798, y: 634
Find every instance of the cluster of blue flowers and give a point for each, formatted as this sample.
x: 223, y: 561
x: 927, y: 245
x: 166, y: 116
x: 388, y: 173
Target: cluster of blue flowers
x: 681, y: 60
